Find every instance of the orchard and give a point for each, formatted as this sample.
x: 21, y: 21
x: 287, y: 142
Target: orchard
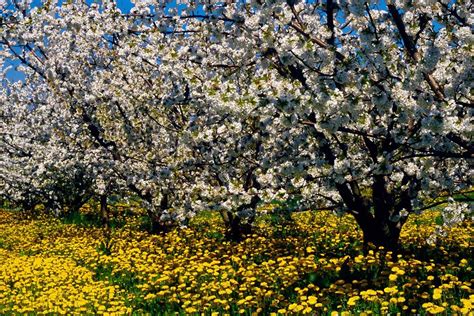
x: 233, y: 124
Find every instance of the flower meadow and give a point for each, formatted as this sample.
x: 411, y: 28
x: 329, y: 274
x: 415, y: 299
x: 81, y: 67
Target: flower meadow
x: 225, y: 122
x: 307, y: 263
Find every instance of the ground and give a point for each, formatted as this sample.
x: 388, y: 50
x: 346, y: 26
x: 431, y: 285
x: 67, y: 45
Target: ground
x: 310, y: 264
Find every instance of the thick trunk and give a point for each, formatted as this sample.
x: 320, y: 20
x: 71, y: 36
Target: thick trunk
x: 385, y: 235
x: 76, y: 203
x: 379, y: 231
x: 235, y: 228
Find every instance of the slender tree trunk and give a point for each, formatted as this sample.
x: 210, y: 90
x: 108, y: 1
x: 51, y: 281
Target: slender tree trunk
x: 104, y: 211
x: 157, y: 224
x: 76, y: 203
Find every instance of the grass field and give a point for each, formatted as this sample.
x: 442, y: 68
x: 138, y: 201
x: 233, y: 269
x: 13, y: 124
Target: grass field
x: 310, y: 264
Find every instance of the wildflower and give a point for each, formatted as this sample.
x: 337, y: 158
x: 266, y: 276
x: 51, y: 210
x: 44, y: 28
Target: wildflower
x: 434, y: 309
x: 391, y: 290
x: 312, y: 300
x: 437, y: 293
x: 353, y: 300
x: 295, y: 308
x: 307, y: 310
x: 191, y: 310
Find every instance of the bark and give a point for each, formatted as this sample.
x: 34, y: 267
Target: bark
x: 236, y: 228
x: 383, y: 226
x: 77, y: 202
x: 383, y: 234
x: 104, y: 211
x: 157, y: 225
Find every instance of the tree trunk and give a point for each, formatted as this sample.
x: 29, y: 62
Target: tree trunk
x: 384, y: 226
x: 385, y: 235
x: 157, y: 224
x: 235, y: 228
x: 104, y: 211
x: 74, y: 205
x: 379, y: 231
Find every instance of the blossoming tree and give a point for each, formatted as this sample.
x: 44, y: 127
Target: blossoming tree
x: 367, y: 105
x: 85, y: 80
x: 357, y: 106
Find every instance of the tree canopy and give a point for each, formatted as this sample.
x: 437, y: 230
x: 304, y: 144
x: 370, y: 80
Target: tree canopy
x: 355, y: 106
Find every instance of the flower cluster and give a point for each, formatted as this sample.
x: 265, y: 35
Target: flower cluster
x: 349, y: 107
x: 313, y: 265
